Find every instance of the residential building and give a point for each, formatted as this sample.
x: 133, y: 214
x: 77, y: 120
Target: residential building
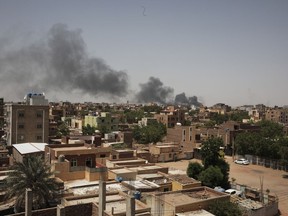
x: 276, y: 114
x: 171, y: 116
x: 146, y: 121
x: 186, y: 136
x: 1, y: 113
x: 220, y: 108
x: 171, y: 203
x: 165, y: 152
x: 104, y: 121
x: 20, y: 151
x: 29, y: 121
x: 78, y: 161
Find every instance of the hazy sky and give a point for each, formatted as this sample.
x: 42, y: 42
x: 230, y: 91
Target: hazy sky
x: 228, y: 51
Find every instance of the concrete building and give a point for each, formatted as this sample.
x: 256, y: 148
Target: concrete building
x: 172, y: 203
x: 186, y: 136
x: 279, y: 115
x: 146, y: 121
x: 171, y: 116
x: 20, y: 151
x: 103, y: 121
x: 1, y: 113
x: 165, y: 152
x: 27, y: 122
x: 78, y: 161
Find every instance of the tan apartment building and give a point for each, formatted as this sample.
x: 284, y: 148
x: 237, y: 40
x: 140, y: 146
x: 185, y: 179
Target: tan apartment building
x: 165, y: 152
x: 279, y: 115
x: 186, y: 136
x: 77, y: 161
x: 171, y: 116
x: 27, y: 123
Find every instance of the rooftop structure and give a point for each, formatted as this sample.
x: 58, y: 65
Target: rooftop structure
x: 171, y: 203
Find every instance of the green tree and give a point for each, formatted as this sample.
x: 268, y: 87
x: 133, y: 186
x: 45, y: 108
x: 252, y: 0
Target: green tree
x: 238, y: 116
x: 211, y: 156
x: 210, y: 151
x: 151, y: 133
x: 224, y: 208
x: 88, y: 130
x: 194, y: 169
x: 133, y: 116
x: 225, y: 168
x: 270, y: 129
x: 35, y: 174
x: 219, y: 118
x: 152, y: 108
x: 211, y: 177
x: 245, y: 143
x: 265, y: 143
x: 63, y: 129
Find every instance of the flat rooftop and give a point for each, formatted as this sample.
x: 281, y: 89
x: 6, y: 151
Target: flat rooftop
x: 185, y: 197
x: 201, y: 212
x: 122, y: 171
x: 28, y: 148
x: 141, y: 184
x: 94, y: 189
x: 183, y: 179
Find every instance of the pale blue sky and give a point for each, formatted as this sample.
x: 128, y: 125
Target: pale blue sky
x: 234, y: 52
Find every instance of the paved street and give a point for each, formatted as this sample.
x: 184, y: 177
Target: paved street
x: 250, y: 175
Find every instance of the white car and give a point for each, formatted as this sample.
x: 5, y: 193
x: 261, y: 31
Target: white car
x: 234, y: 192
x: 242, y: 161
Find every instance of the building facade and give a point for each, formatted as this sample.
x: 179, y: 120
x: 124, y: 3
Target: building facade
x: 103, y: 121
x: 171, y: 116
x: 27, y: 122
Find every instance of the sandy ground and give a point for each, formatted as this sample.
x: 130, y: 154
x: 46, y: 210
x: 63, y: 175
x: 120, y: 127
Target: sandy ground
x: 250, y: 175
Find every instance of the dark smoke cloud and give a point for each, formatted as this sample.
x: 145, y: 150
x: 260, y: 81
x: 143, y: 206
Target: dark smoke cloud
x: 154, y: 91
x: 58, y: 63
x: 181, y: 99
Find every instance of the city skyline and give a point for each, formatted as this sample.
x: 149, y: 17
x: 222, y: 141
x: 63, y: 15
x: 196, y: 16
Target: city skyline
x: 220, y: 51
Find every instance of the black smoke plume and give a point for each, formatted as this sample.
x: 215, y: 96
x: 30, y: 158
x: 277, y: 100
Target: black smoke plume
x: 58, y: 63
x: 181, y: 99
x: 154, y: 91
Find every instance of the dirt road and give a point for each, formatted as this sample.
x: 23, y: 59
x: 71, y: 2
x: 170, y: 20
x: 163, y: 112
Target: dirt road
x: 250, y: 175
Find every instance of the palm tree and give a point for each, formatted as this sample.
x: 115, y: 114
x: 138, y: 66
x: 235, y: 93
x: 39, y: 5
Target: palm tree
x: 35, y: 174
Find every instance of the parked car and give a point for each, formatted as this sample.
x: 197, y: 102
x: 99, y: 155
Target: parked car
x: 234, y: 192
x: 242, y: 161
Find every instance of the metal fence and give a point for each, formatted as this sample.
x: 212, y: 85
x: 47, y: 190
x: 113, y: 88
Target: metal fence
x: 269, y: 163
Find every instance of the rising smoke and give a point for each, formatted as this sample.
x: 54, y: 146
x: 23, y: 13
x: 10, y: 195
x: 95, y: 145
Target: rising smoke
x: 58, y: 63
x: 181, y: 99
x: 154, y: 91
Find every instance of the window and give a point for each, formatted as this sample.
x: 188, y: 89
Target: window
x: 20, y: 126
x: 39, y: 126
x: 89, y: 162
x: 38, y: 137
x: 21, y: 114
x: 73, y: 162
x: 39, y: 114
x: 170, y: 155
x: 20, y: 137
x: 102, y: 155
